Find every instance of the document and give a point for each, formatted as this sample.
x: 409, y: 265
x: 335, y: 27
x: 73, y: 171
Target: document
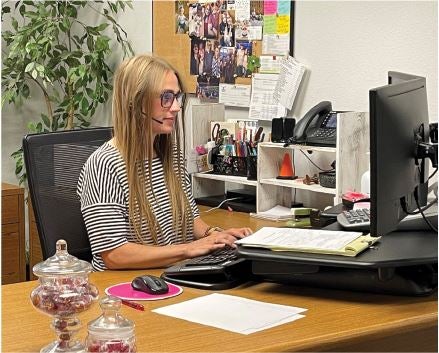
x: 234, y: 95
x: 270, y: 64
x: 262, y: 104
x: 232, y: 313
x: 275, y: 44
x: 287, y: 86
x: 309, y: 240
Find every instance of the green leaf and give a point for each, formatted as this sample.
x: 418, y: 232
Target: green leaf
x: 29, y: 67
x: 45, y: 119
x: 102, y: 26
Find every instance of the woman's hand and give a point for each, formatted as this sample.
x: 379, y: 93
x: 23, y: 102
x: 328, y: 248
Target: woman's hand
x: 238, y: 232
x: 216, y: 240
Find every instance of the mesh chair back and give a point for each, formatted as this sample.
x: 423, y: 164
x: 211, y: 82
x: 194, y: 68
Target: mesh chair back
x: 53, y: 163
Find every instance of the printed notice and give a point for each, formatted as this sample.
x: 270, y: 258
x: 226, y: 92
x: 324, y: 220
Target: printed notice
x: 234, y: 95
x: 275, y: 44
x: 287, y: 86
x: 263, y: 105
x: 270, y: 64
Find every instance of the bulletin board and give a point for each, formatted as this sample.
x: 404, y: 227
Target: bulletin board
x: 177, y: 48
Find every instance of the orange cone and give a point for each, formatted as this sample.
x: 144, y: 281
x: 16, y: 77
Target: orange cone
x: 286, y: 169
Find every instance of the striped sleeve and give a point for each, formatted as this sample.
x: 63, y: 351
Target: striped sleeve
x: 103, y: 204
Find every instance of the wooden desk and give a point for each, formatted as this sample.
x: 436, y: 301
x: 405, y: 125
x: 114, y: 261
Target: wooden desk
x: 13, y: 242
x: 335, y: 320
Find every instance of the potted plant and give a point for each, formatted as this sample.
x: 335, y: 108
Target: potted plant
x: 51, y: 49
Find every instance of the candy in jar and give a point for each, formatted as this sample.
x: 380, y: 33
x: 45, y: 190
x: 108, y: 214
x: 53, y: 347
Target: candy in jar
x: 63, y: 292
x: 110, y: 332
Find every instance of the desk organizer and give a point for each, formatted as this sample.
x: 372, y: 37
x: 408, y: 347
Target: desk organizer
x: 327, y: 179
x: 229, y: 165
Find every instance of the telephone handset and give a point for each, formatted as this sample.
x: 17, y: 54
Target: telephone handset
x: 317, y: 127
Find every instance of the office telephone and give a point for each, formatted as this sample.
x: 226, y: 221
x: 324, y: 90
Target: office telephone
x: 317, y: 127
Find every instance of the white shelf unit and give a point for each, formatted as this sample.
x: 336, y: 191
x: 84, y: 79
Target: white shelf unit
x: 351, y: 162
x: 350, y: 156
x: 204, y: 184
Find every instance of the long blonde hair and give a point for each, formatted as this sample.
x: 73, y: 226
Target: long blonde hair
x: 137, y: 82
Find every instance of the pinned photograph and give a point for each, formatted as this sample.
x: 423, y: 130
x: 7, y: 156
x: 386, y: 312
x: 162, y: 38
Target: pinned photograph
x: 243, y: 52
x: 181, y: 18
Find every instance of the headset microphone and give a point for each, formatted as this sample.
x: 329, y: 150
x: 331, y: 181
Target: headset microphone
x: 157, y: 121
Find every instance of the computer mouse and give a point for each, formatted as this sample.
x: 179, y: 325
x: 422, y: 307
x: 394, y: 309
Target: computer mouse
x: 150, y: 284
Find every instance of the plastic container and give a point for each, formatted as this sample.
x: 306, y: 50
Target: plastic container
x: 111, y: 332
x: 63, y: 292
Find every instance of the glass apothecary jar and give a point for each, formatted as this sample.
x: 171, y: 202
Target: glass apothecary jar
x: 63, y: 292
x: 111, y: 332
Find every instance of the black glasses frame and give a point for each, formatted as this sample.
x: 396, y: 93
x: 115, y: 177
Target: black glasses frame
x: 166, y: 101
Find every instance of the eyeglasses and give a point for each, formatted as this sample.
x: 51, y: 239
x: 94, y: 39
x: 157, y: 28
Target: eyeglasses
x: 167, y: 99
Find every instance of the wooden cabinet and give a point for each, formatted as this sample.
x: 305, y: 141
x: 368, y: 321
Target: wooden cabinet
x: 13, y: 239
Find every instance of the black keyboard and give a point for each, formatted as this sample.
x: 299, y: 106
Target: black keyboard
x: 217, y: 257
x: 221, y: 269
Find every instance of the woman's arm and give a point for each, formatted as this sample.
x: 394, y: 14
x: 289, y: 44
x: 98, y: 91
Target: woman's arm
x: 132, y: 256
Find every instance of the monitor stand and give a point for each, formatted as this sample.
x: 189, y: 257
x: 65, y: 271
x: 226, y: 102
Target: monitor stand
x: 401, y: 263
x: 417, y: 222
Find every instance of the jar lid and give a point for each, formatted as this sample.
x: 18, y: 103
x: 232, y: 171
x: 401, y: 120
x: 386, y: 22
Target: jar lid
x: 111, y: 320
x: 61, y: 263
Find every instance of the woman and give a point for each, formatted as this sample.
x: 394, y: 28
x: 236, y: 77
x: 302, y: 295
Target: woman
x: 195, y: 59
x: 134, y: 190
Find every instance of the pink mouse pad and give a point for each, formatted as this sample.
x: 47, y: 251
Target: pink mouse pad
x: 125, y: 291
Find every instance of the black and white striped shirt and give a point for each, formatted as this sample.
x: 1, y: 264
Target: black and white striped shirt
x: 103, y: 191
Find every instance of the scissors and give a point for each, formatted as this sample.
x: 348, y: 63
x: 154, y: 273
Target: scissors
x: 218, y: 134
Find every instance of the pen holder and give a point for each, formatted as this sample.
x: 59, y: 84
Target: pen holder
x: 252, y: 167
x: 229, y: 165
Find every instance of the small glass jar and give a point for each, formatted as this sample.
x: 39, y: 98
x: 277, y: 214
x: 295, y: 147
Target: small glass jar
x: 63, y: 292
x: 110, y: 332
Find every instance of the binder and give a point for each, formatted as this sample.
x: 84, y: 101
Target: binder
x: 310, y: 241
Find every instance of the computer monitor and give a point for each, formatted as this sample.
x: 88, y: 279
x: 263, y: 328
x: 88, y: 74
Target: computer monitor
x: 398, y: 124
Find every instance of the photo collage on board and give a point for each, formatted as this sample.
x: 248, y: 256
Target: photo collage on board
x: 221, y: 41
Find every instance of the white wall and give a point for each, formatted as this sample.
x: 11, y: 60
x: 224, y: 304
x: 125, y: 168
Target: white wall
x: 348, y: 47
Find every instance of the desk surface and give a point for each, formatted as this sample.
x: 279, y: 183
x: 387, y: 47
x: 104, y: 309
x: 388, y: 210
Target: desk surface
x: 335, y: 320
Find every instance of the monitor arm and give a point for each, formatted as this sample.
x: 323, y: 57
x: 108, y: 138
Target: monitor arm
x: 426, y: 150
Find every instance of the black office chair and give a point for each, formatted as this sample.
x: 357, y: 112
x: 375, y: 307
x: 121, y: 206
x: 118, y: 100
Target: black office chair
x: 53, y: 162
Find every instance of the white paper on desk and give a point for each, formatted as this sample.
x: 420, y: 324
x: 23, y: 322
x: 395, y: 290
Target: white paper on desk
x: 287, y: 86
x: 234, y: 95
x: 277, y: 212
x: 232, y: 313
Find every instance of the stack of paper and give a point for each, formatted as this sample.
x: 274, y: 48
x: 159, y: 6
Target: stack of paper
x: 309, y: 240
x: 277, y: 213
x: 243, y: 315
x: 287, y: 86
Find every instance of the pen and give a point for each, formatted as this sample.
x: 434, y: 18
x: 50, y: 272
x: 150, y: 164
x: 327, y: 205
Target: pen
x: 133, y: 305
